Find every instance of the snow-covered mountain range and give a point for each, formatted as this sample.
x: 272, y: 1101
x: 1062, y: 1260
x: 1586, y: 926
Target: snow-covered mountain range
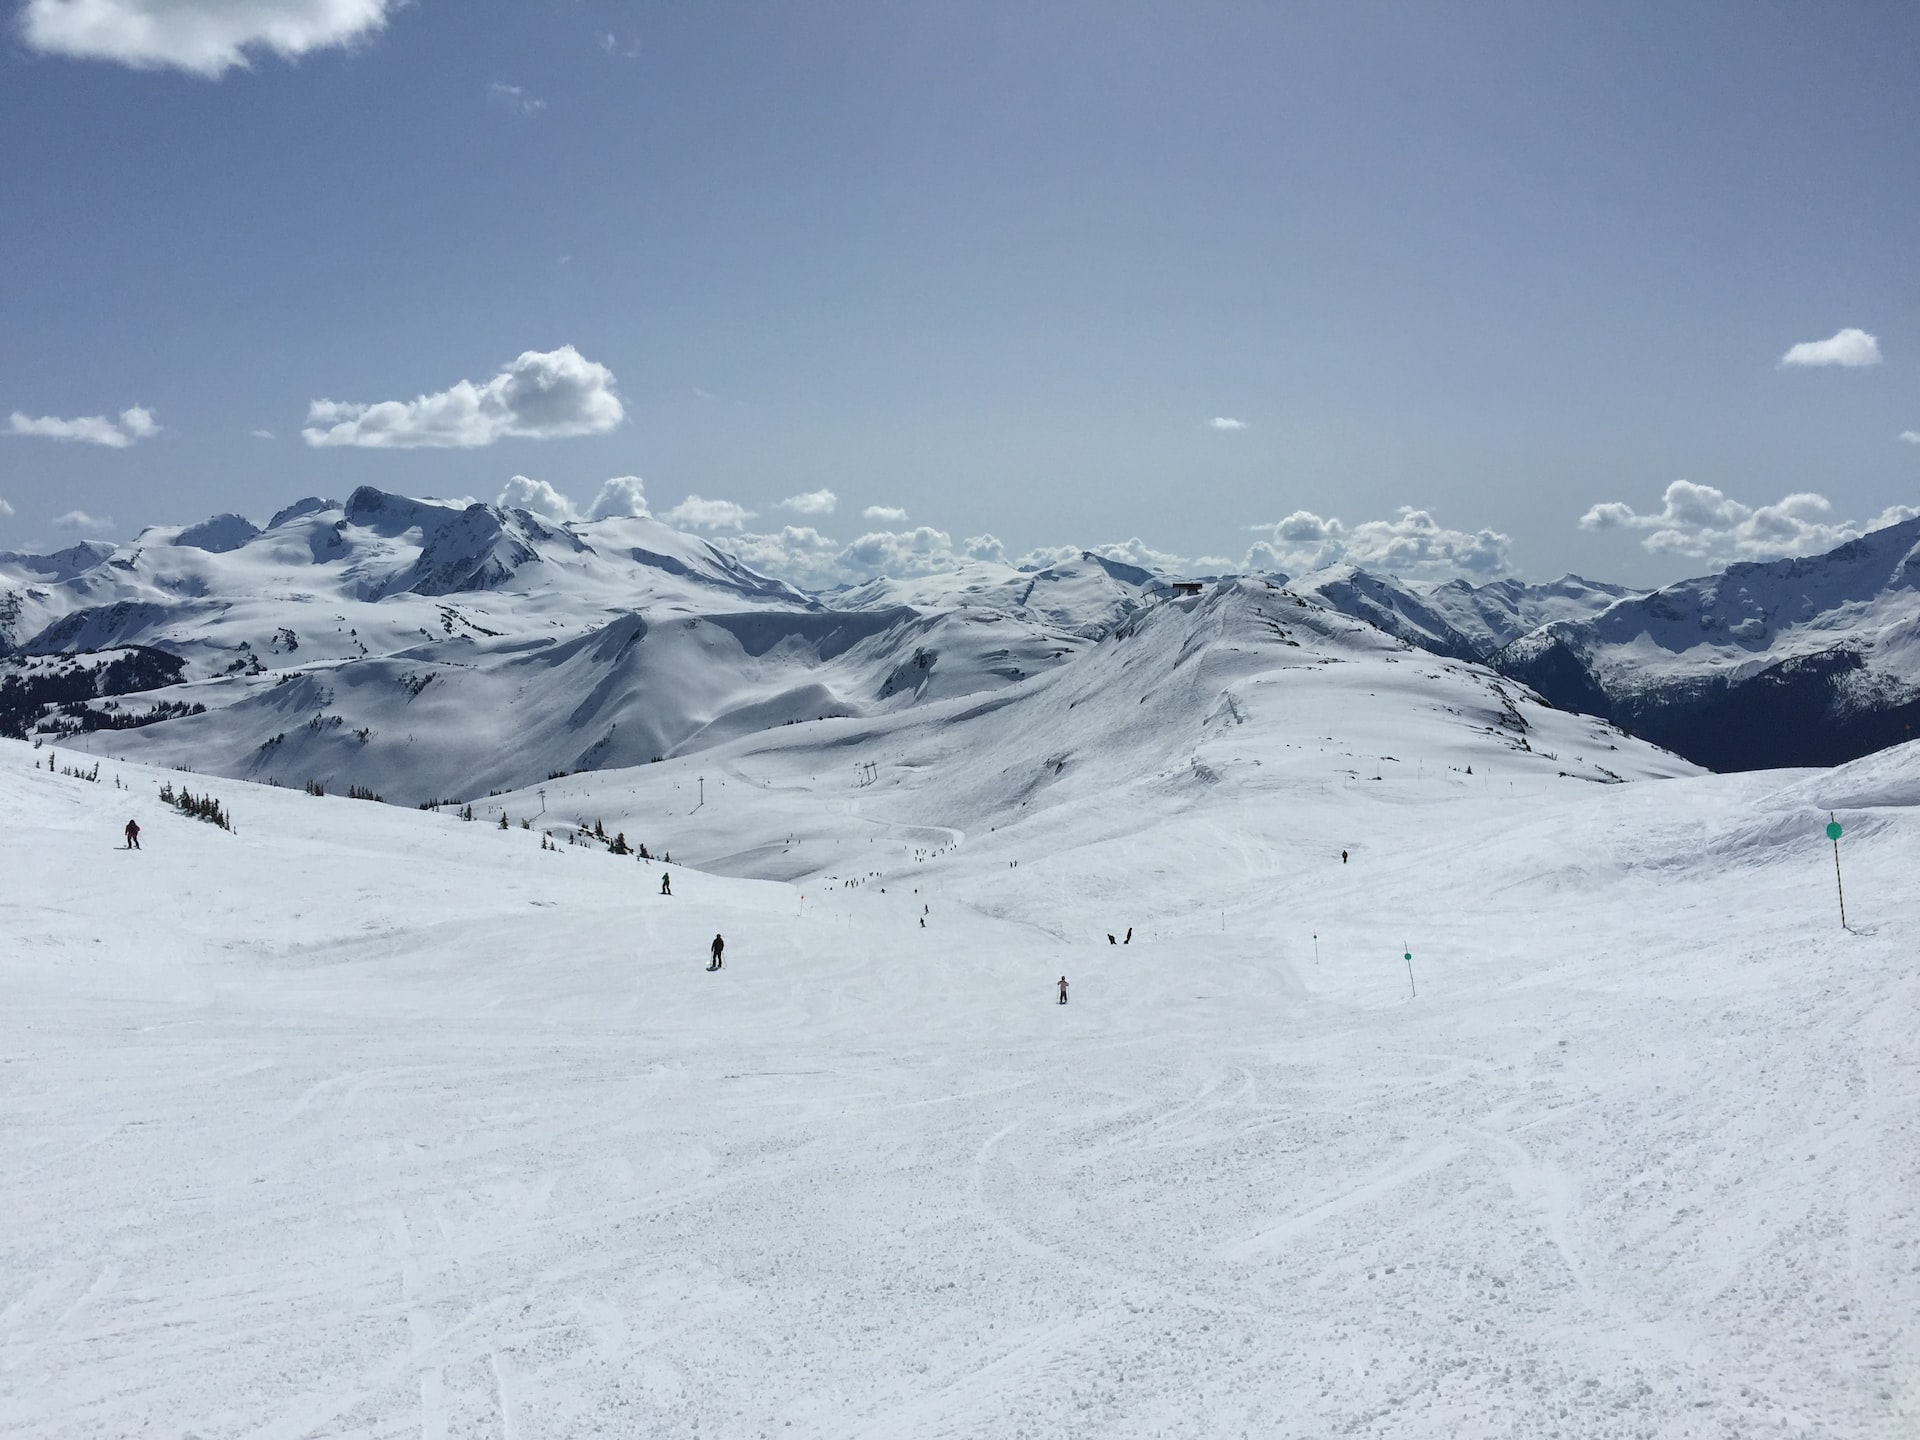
x: 1809, y: 661
x: 429, y: 649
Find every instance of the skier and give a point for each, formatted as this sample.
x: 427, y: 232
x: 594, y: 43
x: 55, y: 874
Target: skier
x: 716, y: 949
x: 1063, y: 989
x: 1129, y: 939
x: 133, y: 834
x: 666, y: 884
x: 1343, y: 857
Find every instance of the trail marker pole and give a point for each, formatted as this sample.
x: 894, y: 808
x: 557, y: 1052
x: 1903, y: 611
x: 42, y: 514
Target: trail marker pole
x: 1316, y: 951
x: 1408, y: 957
x: 1833, y: 834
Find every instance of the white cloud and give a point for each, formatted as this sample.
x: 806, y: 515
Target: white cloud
x: 1848, y: 347
x: 5, y: 509
x: 610, y: 45
x: 135, y: 423
x: 261, y: 434
x: 620, y: 496
x: 1412, y: 544
x: 1226, y: 422
x: 702, y: 514
x: 514, y: 99
x: 205, y: 37
x: 813, y: 502
x: 542, y: 395
x: 886, y: 514
x: 1702, y: 523
x: 537, y: 497
x: 1137, y: 552
x: 919, y: 551
x: 623, y: 495
x: 1912, y: 437
x: 81, y: 520
x: 798, y: 554
x: 802, y: 555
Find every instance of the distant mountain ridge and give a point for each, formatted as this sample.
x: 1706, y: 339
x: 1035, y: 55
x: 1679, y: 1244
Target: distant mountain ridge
x: 1807, y: 661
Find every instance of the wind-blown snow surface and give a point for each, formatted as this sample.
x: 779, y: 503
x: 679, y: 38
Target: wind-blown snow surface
x: 366, y: 1122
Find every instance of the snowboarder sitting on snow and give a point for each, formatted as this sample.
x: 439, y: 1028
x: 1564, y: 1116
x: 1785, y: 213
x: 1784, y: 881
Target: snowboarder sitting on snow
x: 133, y: 834
x: 716, y: 949
x: 1063, y: 989
x: 666, y: 884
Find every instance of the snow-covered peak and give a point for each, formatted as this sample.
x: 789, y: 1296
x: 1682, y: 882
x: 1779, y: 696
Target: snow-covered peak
x: 1501, y: 611
x: 1086, y: 596
x: 219, y: 534
x: 52, y: 569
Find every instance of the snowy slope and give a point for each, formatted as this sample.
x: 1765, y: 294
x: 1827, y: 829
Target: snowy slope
x: 1455, y: 618
x: 1501, y: 611
x: 1816, y: 660
x: 464, y: 718
x: 1087, y: 597
x: 367, y: 1122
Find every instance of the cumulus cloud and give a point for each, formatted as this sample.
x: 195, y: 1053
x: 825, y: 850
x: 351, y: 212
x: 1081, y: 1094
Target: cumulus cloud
x: 812, y: 502
x: 135, y: 423
x: 919, y: 551
x: 204, y: 37
x: 5, y: 509
x: 804, y: 556
x: 1226, y: 422
x: 514, y: 99
x: 1912, y: 437
x: 261, y: 434
x: 698, y: 514
x: 1412, y: 544
x: 537, y: 497
x: 1848, y: 347
x: 885, y: 514
x: 1139, y: 553
x: 798, y: 554
x: 82, y: 521
x: 542, y: 395
x: 1700, y: 522
x: 623, y: 495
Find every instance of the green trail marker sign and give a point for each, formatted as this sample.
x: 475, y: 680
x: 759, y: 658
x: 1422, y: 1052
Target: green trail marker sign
x: 1833, y: 834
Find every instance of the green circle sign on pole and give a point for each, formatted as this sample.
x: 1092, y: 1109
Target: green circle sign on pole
x: 1833, y: 830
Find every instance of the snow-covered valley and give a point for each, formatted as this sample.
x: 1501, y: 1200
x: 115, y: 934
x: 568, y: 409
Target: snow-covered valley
x: 367, y: 1121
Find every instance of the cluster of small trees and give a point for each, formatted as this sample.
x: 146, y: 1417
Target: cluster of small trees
x: 71, y: 773
x: 201, y: 807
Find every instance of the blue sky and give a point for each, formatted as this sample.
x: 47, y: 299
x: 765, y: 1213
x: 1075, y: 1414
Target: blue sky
x: 991, y: 271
